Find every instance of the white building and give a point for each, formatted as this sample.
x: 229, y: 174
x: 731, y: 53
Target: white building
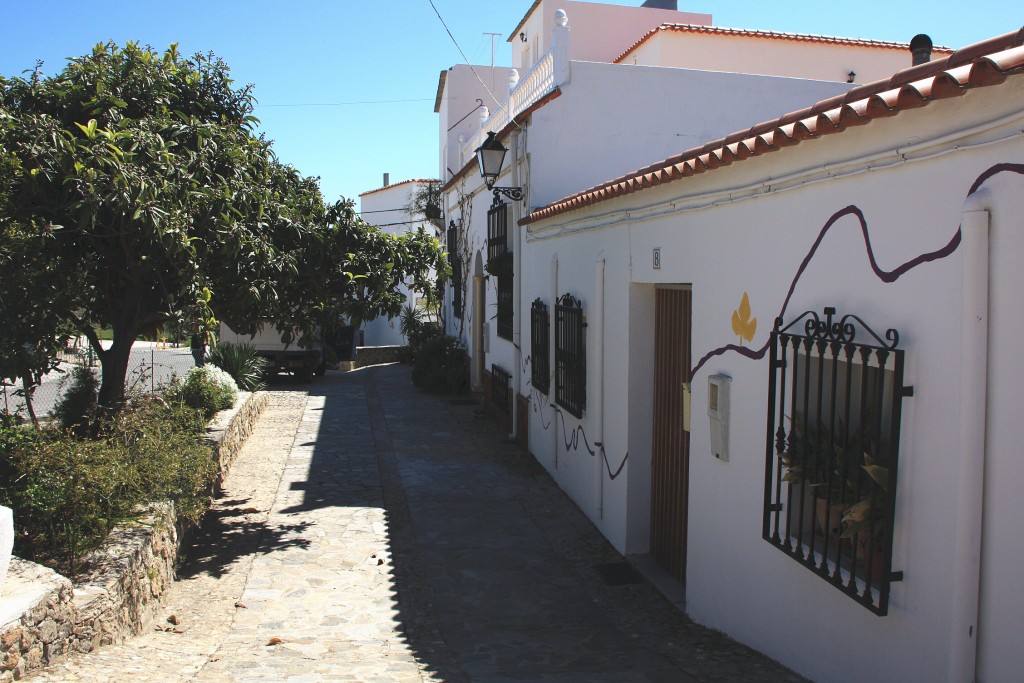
x: 898, y: 202
x: 391, y: 208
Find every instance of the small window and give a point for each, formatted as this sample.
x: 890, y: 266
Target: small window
x: 501, y: 380
x: 455, y: 260
x: 832, y: 451
x: 499, y: 264
x: 540, y: 336
x: 570, y: 356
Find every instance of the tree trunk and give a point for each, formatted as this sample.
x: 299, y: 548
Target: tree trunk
x: 114, y: 370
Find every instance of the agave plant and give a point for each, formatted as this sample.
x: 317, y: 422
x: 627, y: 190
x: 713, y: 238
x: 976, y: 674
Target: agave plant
x: 242, y: 362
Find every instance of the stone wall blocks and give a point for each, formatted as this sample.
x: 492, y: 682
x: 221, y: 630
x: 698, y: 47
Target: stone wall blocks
x: 133, y: 570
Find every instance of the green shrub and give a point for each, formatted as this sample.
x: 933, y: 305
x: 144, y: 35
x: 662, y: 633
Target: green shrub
x: 76, y: 409
x: 207, y: 389
x: 440, y: 366
x: 68, y: 492
x: 241, y: 362
x: 416, y: 329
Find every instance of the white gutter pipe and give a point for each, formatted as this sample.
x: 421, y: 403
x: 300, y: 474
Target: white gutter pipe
x: 970, y: 490
x: 552, y: 370
x: 597, y: 325
x: 478, y: 331
x: 517, y: 293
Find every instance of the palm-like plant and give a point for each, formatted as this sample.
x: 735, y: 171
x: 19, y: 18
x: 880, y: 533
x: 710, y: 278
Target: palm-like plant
x: 242, y: 362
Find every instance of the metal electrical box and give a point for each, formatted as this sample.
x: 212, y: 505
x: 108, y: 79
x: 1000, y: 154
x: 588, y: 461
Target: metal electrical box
x: 718, y: 412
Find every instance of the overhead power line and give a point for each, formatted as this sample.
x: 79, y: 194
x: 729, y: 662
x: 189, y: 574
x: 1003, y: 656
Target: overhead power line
x: 345, y: 104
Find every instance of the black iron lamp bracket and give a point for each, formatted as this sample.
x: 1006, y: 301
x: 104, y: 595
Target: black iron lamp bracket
x: 513, y: 193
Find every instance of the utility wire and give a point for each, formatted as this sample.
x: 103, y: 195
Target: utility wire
x: 464, y: 57
x: 344, y: 104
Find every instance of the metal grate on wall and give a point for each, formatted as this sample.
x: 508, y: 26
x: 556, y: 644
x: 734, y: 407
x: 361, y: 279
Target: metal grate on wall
x: 832, y: 454
x: 501, y: 380
x: 499, y: 264
x: 540, y: 337
x: 570, y: 356
x: 455, y: 261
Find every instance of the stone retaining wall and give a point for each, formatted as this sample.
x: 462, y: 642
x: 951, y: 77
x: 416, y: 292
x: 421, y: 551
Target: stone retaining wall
x: 43, y: 617
x: 375, y: 355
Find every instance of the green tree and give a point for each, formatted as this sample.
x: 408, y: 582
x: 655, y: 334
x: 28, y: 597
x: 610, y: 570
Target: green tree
x: 136, y: 191
x: 374, y: 265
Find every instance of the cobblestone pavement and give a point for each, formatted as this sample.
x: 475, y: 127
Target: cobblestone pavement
x: 370, y: 533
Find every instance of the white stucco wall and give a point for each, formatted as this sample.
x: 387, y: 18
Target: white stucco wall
x: 600, y: 32
x: 387, y: 208
x: 755, y: 242
x: 612, y: 119
x: 458, y: 112
x: 770, y: 56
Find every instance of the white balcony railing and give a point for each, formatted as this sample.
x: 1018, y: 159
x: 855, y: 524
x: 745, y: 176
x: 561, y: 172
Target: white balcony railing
x: 538, y: 82
x: 550, y: 72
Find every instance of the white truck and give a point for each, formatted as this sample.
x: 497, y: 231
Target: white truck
x: 302, y: 362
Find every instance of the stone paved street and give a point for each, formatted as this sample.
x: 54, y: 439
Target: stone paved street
x: 369, y: 532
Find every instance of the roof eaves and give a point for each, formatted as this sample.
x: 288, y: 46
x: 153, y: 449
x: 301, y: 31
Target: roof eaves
x: 515, y: 31
x: 506, y: 129
x: 403, y: 182
x: 441, y: 80
x: 950, y: 77
x: 770, y: 35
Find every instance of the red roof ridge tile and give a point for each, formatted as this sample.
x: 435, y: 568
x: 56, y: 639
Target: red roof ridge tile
x: 990, y: 63
x: 402, y: 182
x: 772, y: 35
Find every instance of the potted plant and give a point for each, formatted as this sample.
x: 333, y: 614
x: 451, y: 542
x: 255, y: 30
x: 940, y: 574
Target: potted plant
x: 500, y: 264
x: 866, y: 522
x: 815, y: 460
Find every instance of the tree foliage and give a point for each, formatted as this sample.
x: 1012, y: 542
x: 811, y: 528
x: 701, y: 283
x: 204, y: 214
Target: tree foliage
x: 134, y: 191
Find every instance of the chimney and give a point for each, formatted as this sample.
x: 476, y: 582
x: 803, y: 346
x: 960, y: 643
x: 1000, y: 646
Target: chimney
x: 387, y: 179
x: 662, y: 4
x: 921, y: 49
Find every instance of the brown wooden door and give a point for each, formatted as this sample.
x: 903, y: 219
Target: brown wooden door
x: 671, y: 443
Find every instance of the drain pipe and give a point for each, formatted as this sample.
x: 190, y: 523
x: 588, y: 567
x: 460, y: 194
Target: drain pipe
x: 552, y: 373
x: 966, y: 555
x: 478, y: 331
x: 598, y: 327
x: 517, y: 293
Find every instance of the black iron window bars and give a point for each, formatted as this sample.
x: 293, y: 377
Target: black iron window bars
x: 570, y: 356
x: 499, y: 264
x: 455, y: 260
x: 832, y: 452
x: 501, y: 380
x: 540, y: 336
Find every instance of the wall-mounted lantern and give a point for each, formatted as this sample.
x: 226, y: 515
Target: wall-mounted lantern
x: 489, y: 158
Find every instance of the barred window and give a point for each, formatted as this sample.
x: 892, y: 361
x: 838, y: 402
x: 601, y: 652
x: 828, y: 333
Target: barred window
x: 832, y: 451
x: 501, y: 380
x: 570, y: 356
x: 455, y: 260
x: 540, y: 335
x: 499, y: 264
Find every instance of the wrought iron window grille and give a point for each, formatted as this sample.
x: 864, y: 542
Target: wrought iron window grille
x: 497, y: 231
x: 832, y: 452
x: 455, y: 260
x: 540, y: 337
x: 501, y: 380
x: 570, y: 356
x: 499, y: 264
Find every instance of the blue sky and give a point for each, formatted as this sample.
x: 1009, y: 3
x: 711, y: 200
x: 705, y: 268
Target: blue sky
x: 346, y: 87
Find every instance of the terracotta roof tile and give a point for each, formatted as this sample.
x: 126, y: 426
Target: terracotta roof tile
x: 404, y: 182
x: 770, y: 35
x: 983, y: 64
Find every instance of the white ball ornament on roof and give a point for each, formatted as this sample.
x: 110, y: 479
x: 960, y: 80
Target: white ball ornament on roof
x: 561, y: 18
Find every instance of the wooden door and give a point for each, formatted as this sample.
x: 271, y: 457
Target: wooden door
x: 671, y: 443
